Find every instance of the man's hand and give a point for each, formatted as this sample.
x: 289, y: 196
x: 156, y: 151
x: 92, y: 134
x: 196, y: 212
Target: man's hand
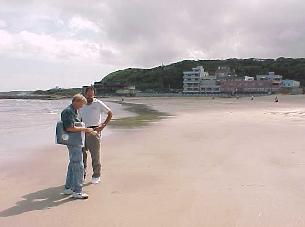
x: 100, y: 128
x: 88, y: 130
x: 79, y: 129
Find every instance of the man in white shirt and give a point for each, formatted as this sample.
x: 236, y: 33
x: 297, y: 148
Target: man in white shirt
x: 92, y: 114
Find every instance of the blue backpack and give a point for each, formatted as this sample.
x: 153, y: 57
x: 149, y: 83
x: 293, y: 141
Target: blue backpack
x: 69, y: 138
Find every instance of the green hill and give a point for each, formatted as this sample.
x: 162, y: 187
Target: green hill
x: 167, y: 77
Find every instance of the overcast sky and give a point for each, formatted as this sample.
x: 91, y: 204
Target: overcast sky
x: 67, y: 43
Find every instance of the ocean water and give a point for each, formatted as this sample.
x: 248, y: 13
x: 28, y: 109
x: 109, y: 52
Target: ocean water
x: 30, y: 124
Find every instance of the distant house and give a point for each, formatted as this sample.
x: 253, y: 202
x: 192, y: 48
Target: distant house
x: 249, y: 78
x: 271, y: 76
x: 291, y: 87
x: 290, y: 84
x: 225, y: 73
x: 209, y: 86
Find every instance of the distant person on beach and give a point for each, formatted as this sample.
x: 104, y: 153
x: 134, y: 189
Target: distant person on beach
x: 91, y: 114
x: 276, y: 99
x: 70, y: 118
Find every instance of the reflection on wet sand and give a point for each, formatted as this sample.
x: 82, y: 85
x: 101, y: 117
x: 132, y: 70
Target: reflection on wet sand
x: 144, y: 116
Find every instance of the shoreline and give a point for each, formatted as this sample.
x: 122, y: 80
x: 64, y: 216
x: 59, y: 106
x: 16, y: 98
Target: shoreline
x: 137, y: 115
x: 142, y: 95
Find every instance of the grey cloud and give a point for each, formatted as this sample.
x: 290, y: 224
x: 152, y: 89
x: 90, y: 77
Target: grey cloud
x: 142, y: 33
x: 148, y: 32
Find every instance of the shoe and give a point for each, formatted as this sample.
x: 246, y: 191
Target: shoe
x: 68, y: 191
x: 95, y: 180
x: 80, y: 195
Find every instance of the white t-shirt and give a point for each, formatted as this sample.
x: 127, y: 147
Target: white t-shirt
x: 92, y: 114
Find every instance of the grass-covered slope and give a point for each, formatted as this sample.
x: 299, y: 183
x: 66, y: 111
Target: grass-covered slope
x: 171, y: 76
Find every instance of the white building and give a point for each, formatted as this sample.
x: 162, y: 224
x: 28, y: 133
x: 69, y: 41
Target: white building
x: 191, y: 79
x: 199, y: 81
x: 249, y: 78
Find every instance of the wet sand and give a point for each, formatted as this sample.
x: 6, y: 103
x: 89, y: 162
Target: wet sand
x: 222, y: 162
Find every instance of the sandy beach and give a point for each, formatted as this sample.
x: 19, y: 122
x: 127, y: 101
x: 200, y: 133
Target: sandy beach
x: 221, y: 162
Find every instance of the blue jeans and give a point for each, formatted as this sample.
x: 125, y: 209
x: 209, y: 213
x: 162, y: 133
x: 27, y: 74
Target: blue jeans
x: 75, y: 174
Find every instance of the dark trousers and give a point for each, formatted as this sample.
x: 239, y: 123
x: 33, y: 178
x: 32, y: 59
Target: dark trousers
x: 93, y: 144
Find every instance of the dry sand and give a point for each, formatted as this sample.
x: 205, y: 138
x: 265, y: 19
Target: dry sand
x: 221, y: 162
